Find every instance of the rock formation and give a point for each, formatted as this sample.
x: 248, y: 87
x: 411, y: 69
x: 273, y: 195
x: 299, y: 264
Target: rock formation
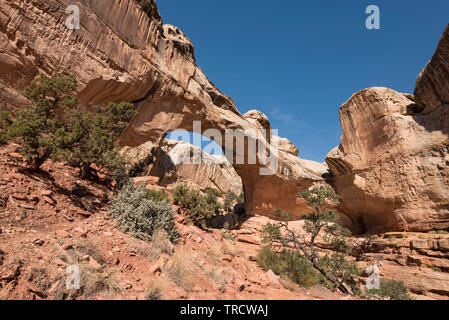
x: 173, y: 163
x: 432, y: 85
x: 391, y: 168
x: 123, y: 52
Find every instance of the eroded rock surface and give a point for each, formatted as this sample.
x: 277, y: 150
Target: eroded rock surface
x: 432, y: 85
x: 391, y: 168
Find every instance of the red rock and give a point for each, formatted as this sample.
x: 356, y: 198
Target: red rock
x: 422, y: 244
x: 146, y: 180
x: 94, y: 264
x: 59, y: 262
x: 10, y: 272
x: 46, y: 192
x: 443, y: 244
x: 67, y: 246
x: 239, y: 284
x: 249, y: 239
x: 38, y: 242
x: 154, y: 268
x: 274, y: 279
x: 48, y: 200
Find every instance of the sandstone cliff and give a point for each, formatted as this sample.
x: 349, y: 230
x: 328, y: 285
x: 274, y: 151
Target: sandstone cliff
x: 391, y: 168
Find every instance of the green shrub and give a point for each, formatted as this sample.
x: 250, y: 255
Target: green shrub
x: 5, y: 122
x: 201, y: 207
x: 292, y: 264
x: 38, y: 123
x: 231, y: 198
x: 340, y: 273
x: 157, y: 195
x: 390, y: 289
x: 142, y: 217
x: 52, y: 126
x: 212, y: 200
x: 185, y: 197
x: 90, y: 137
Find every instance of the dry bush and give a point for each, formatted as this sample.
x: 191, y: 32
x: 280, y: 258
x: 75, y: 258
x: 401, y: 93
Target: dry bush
x: 93, y: 281
x: 181, y: 269
x: 156, y: 289
x: 159, y: 245
x: 39, y: 277
x: 226, y: 249
x: 214, y: 254
x: 91, y: 248
x: 161, y: 242
x: 220, y: 279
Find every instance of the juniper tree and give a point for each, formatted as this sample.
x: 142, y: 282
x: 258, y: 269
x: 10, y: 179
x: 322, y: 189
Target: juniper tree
x: 90, y: 137
x: 339, y: 272
x: 201, y: 208
x: 53, y: 126
x: 232, y: 198
x: 38, y: 122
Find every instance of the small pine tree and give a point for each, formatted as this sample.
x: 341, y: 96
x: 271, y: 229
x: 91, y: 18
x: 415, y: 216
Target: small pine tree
x: 340, y: 273
x: 390, y: 290
x: 90, y: 137
x: 231, y: 198
x: 37, y: 123
x: 52, y: 126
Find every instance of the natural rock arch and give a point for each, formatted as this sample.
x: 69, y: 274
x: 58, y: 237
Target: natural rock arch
x: 123, y: 52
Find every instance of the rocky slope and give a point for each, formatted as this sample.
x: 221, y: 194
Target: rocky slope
x: 50, y: 221
x: 391, y: 168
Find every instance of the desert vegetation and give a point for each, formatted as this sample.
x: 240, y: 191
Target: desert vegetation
x: 201, y: 208
x: 54, y: 126
x: 294, y: 253
x: 389, y: 290
x: 231, y: 198
x: 140, y: 215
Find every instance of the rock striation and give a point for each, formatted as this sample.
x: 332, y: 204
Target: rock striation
x: 432, y: 85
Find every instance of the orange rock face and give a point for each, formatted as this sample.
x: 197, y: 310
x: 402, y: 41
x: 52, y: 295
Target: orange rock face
x: 391, y: 168
x: 432, y: 85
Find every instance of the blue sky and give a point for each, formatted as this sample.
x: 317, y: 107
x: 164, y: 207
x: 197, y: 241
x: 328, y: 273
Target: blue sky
x: 298, y: 61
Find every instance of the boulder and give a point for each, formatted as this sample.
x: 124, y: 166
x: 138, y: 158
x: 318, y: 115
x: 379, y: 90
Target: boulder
x: 228, y: 222
x: 285, y: 145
